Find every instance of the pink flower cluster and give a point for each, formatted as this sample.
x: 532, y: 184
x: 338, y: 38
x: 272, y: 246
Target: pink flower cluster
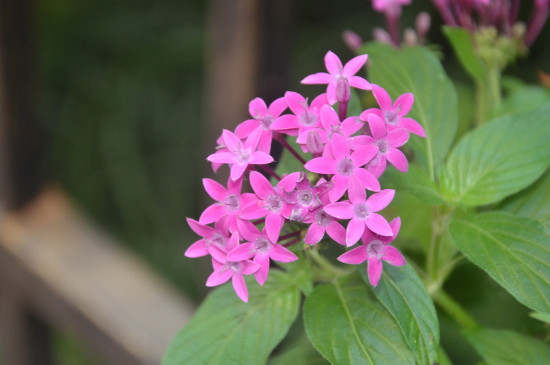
x: 342, y: 156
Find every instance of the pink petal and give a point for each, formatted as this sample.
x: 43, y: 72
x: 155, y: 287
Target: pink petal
x: 382, y: 97
x: 356, y: 192
x: 354, y: 231
x: 200, y: 229
x: 222, y: 157
x: 288, y: 183
x: 314, y: 234
x: 395, y: 226
x: 333, y: 63
x: 248, y: 267
x: 378, y: 224
x: 398, y: 137
x: 363, y: 155
x: 244, y: 129
x: 377, y: 165
x: 253, y: 210
x: 359, y: 83
x: 337, y: 232
x: 218, y: 277
x: 260, y: 184
x: 212, y: 213
x: 273, y: 224
x: 339, y: 187
x: 214, y: 189
x: 253, y: 139
x: 340, y: 148
x: 404, y: 103
x: 241, y: 252
x: 354, y: 65
x: 328, y: 116
x: 340, y: 210
x: 197, y: 249
x: 367, y: 179
x: 282, y: 254
x: 317, y: 78
x: 218, y: 254
x: 321, y: 165
x: 296, y: 102
x: 237, y: 171
x: 374, y: 271
x: 285, y: 122
x: 398, y: 159
x: 257, y: 108
x: 413, y: 126
x: 231, y: 141
x: 379, y: 201
x: 331, y: 92
x: 246, y: 228
x: 277, y: 107
x: 240, y: 287
x: 355, y: 256
x: 263, y: 262
x: 377, y: 126
x: 393, y: 256
x: 350, y: 125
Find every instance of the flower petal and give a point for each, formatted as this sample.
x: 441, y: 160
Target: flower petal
x: 404, y: 103
x: 379, y: 201
x: 241, y: 252
x: 231, y: 141
x: 359, y: 83
x: 398, y: 137
x: 314, y: 234
x: 333, y: 63
x: 260, y: 184
x: 393, y: 256
x: 355, y: 256
x: 340, y: 210
x: 413, y: 126
x: 257, y: 108
x: 240, y: 287
x: 378, y: 224
x: 277, y: 107
x: 321, y: 165
x: 218, y: 277
x: 214, y: 189
x: 281, y: 254
x: 200, y: 229
x: 377, y: 126
x: 317, y: 78
x: 237, y: 170
x: 374, y: 271
x: 382, y: 97
x: 354, y: 231
x: 263, y: 271
x: 273, y: 224
x: 354, y: 65
x: 337, y: 232
x: 197, y: 249
x: 367, y: 179
x: 212, y: 214
x: 398, y: 159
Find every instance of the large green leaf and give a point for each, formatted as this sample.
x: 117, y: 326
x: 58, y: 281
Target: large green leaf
x: 403, y: 294
x: 416, y: 182
x: 347, y: 325
x: 500, y: 347
x: 463, y: 45
x: 512, y: 250
x: 498, y: 159
x: 299, y: 352
x: 418, y: 71
x: 227, y: 331
x: 533, y: 202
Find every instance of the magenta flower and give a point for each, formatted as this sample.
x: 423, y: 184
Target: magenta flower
x: 305, y: 198
x: 388, y: 143
x: 384, y: 6
x: 361, y: 212
x: 393, y: 114
x: 234, y: 268
x: 239, y: 155
x: 304, y: 117
x: 374, y: 249
x: 345, y: 167
x: 321, y: 223
x: 340, y: 78
x: 217, y: 236
x: 264, y: 117
x: 263, y: 249
x: 228, y: 206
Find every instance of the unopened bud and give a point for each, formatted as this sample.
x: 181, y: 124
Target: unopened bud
x: 314, y: 143
x: 410, y: 37
x: 422, y: 25
x: 352, y: 40
x: 382, y: 36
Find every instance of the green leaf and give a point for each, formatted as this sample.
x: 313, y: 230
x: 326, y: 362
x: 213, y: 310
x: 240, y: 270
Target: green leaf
x: 347, y: 325
x: 403, y: 294
x: 299, y: 352
x: 417, y: 70
x: 498, y: 159
x: 533, y: 202
x: 513, y: 250
x: 462, y: 42
x: 524, y: 99
x: 500, y: 347
x: 226, y: 330
x: 416, y: 182
x: 545, y: 317
x: 443, y: 358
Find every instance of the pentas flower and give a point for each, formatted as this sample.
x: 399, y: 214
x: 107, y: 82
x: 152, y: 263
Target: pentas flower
x: 393, y: 114
x: 305, y: 198
x: 240, y: 155
x: 320, y: 223
x: 362, y: 212
x: 264, y: 117
x: 262, y: 248
x: 217, y: 236
x: 384, y: 6
x: 374, y: 249
x: 340, y: 78
x: 345, y: 166
x: 304, y: 117
x: 232, y: 264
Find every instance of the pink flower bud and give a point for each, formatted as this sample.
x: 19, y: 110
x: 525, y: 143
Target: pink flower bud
x: 422, y: 25
x: 314, y: 143
x: 352, y: 40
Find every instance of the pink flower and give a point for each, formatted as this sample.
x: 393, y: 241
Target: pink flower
x: 234, y: 268
x: 304, y: 118
x: 239, y: 155
x: 345, y: 166
x: 263, y: 249
x: 384, y: 6
x: 305, y: 198
x: 361, y: 212
x: 264, y: 117
x: 321, y: 223
x: 340, y: 78
x: 217, y: 236
x: 394, y: 114
x: 374, y: 249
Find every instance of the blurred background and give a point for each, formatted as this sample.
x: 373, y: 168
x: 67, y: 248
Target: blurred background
x: 128, y: 94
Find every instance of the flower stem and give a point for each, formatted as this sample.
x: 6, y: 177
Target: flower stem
x: 290, y: 235
x: 454, y: 310
x: 325, y: 265
x: 290, y: 149
x: 268, y: 170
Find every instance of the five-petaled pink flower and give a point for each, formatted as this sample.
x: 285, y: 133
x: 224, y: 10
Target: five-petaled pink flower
x: 340, y: 78
x: 374, y: 249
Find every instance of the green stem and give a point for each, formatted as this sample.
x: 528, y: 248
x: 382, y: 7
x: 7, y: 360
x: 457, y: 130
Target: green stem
x: 328, y: 269
x: 454, y: 310
x: 488, y: 94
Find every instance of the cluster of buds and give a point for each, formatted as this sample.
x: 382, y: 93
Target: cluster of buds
x: 342, y: 157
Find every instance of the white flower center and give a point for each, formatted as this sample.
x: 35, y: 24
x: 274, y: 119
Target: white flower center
x: 232, y: 202
x: 262, y: 245
x: 274, y: 203
x: 375, y: 248
x: 361, y: 210
x: 345, y: 166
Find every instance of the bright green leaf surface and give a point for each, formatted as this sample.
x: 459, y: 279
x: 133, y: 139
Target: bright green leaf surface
x: 545, y: 317
x: 346, y: 324
x: 416, y: 182
x: 403, y: 294
x: 500, y: 347
x: 462, y: 42
x: 300, y: 352
x: 512, y: 250
x: 417, y: 70
x: 533, y: 202
x: 498, y: 159
x: 226, y: 330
